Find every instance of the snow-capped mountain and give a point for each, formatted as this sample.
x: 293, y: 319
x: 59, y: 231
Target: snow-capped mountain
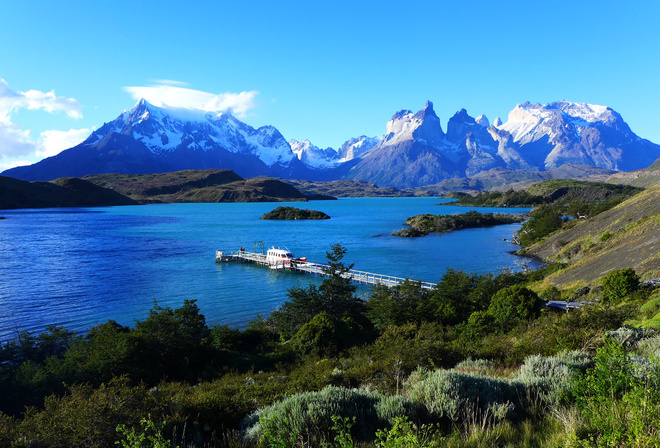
x: 561, y: 133
x: 413, y: 151
x: 149, y: 139
x: 356, y: 146
x: 409, y: 154
x: 313, y: 156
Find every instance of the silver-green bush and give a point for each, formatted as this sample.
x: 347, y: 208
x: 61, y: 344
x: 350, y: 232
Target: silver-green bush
x: 308, y: 415
x: 462, y: 396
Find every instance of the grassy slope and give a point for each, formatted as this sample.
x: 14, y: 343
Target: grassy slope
x: 627, y: 235
x: 345, y: 188
x: 198, y: 186
x: 644, y: 178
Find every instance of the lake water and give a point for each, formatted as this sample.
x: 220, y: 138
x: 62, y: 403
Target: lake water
x: 82, y: 267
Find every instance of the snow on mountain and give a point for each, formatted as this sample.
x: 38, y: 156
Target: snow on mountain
x: 357, y: 146
x: 313, y: 156
x: 564, y: 132
x: 165, y: 129
x: 414, y: 150
x: 424, y: 126
x: 482, y: 120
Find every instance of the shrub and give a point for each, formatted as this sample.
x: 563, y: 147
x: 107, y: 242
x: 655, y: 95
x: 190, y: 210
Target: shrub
x: 512, y: 305
x: 550, y: 377
x: 630, y: 336
x: 463, y: 397
x: 543, y: 221
x: 551, y: 293
x: 324, y: 335
x: 404, y: 434
x: 618, y: 406
x: 619, y: 283
x: 405, y: 303
x: 650, y: 347
x: 309, y: 415
x: 579, y: 292
x: 479, y: 323
x: 474, y: 365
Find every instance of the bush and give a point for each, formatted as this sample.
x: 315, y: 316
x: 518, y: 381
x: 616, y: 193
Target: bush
x: 630, y: 336
x: 309, y: 415
x: 551, y: 293
x: 550, y: 377
x: 578, y: 293
x: 324, y: 335
x: 543, y: 220
x: 470, y: 365
x: 618, y: 406
x: 405, y: 303
x: 619, y: 283
x: 512, y: 305
x: 463, y: 397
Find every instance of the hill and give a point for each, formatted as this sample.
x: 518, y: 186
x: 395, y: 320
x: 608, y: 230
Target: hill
x: 66, y: 192
x: 346, y: 188
x: 643, y: 178
x: 200, y: 186
x: 626, y: 235
x: 293, y: 213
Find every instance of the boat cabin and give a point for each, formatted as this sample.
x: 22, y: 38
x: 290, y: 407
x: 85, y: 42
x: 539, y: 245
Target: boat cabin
x: 279, y: 256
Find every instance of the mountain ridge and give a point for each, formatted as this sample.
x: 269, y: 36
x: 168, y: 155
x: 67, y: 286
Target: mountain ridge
x: 414, y: 151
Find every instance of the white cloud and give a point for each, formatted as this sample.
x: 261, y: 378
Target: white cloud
x: 170, y: 82
x: 53, y: 142
x: 13, y: 164
x: 174, y: 96
x: 16, y: 142
x: 11, y: 101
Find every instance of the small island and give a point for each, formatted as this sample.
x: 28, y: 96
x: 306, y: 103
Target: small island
x: 286, y: 213
x: 422, y: 225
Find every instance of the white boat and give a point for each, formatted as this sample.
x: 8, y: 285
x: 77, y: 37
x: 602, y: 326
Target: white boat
x: 277, y: 258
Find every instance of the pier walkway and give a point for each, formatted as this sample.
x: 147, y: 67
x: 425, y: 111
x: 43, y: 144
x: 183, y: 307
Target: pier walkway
x: 298, y: 265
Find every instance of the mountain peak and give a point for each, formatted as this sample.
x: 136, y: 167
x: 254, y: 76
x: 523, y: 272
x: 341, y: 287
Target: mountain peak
x: 482, y: 120
x: 459, y: 125
x: 426, y: 111
x: 424, y: 126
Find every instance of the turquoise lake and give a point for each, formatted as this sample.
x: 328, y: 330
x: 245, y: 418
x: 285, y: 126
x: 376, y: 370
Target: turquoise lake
x: 81, y: 267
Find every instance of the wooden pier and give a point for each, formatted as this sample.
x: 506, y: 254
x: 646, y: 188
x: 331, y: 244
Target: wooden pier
x: 297, y: 265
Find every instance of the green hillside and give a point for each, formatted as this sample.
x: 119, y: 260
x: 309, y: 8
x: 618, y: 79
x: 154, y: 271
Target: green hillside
x: 65, y: 192
x: 200, y: 186
x: 626, y: 235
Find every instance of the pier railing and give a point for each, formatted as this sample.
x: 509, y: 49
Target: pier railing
x: 367, y: 278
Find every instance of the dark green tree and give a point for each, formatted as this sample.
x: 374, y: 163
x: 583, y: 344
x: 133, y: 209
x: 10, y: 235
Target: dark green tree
x: 619, y: 283
x: 336, y: 296
x: 543, y: 220
x: 512, y: 305
x: 171, y: 342
x: 405, y: 303
x: 450, y: 299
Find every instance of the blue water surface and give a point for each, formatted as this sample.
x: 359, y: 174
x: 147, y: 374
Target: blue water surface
x: 81, y: 267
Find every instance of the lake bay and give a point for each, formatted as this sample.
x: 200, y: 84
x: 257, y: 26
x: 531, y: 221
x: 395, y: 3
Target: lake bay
x: 81, y: 267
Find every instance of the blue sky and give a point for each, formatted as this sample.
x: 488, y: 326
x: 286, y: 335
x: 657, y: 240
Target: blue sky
x: 325, y: 71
